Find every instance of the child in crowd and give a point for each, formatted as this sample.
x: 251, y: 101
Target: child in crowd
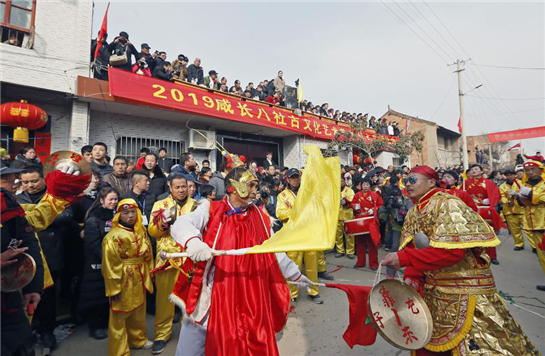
x: 126, y: 264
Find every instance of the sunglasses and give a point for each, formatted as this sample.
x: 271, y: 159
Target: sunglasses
x: 412, y: 179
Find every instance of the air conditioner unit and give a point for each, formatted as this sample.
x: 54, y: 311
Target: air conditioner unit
x: 198, y: 142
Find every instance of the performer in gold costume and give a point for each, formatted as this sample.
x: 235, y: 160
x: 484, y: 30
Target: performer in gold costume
x: 126, y: 267
x: 284, y: 206
x: 443, y: 249
x: 532, y: 196
x: 512, y: 210
x: 178, y: 203
x: 345, y: 213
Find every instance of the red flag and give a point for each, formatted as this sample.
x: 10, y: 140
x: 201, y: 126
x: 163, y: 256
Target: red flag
x: 460, y: 124
x: 103, y: 30
x: 358, y: 332
x: 515, y: 146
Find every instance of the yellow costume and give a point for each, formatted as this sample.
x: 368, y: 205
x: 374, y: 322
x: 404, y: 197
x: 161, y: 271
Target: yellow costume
x: 40, y: 216
x: 126, y: 267
x: 165, y: 273
x: 533, y: 220
x: 284, y: 205
x: 468, y: 314
x: 345, y: 213
x: 512, y: 211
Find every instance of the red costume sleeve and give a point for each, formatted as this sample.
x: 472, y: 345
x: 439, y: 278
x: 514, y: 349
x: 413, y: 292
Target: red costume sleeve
x: 429, y: 259
x: 466, y: 198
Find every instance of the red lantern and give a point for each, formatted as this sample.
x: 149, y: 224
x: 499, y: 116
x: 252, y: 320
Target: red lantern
x: 23, y: 117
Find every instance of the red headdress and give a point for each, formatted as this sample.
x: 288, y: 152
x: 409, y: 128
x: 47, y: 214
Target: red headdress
x: 426, y: 171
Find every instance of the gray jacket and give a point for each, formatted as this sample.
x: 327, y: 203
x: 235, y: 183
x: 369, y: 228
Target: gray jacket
x: 218, y: 182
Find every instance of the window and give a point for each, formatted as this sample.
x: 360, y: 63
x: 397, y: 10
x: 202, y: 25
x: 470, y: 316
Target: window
x: 17, y: 22
x: 130, y: 147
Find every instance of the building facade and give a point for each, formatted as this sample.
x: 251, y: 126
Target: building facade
x: 441, y: 146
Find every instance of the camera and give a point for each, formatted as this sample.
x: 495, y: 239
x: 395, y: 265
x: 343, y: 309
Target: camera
x: 264, y: 195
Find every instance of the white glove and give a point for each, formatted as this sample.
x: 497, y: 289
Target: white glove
x: 69, y: 169
x: 512, y: 193
x: 525, y: 191
x: 167, y: 216
x: 303, y: 280
x: 358, y: 207
x: 486, y: 201
x: 198, y: 250
x: 370, y: 211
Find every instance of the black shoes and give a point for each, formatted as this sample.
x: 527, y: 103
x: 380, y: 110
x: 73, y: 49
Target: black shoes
x: 351, y: 256
x: 158, y: 347
x: 494, y: 261
x: 316, y: 299
x: 339, y: 255
x: 534, y: 250
x: 98, y: 334
x: 518, y: 248
x: 541, y: 288
x: 48, y: 340
x: 326, y: 276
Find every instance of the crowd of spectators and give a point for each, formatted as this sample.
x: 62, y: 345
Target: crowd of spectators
x: 120, y: 53
x: 71, y: 243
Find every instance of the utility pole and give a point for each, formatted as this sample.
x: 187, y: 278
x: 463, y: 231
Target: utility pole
x: 465, y: 158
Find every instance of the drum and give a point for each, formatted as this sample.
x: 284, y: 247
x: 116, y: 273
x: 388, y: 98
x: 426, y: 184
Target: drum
x: 358, y: 226
x: 484, y: 212
x: 19, y: 274
x: 400, y: 315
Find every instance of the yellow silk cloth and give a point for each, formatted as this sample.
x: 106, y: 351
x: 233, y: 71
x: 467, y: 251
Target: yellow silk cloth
x: 165, y: 242
x: 313, y: 218
x: 40, y: 216
x: 126, y: 263
x: 346, y: 212
x: 534, y: 214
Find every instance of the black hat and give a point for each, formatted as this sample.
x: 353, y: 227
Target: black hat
x: 452, y: 173
x: 181, y: 57
x: 509, y: 171
x: 212, y: 72
x: 145, y: 45
x: 4, y: 170
x: 292, y: 172
x: 124, y: 34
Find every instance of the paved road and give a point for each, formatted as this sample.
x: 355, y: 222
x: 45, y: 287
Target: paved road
x: 317, y: 329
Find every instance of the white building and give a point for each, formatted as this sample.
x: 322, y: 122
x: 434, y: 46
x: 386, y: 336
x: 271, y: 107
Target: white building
x: 50, y: 69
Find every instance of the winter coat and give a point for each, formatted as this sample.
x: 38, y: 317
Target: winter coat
x: 279, y: 84
x: 145, y: 201
x: 209, y: 83
x: 165, y: 164
x: 121, y: 184
x: 141, y: 71
x: 149, y: 60
x: 120, y: 48
x: 102, y: 170
x: 158, y: 183
x: 194, y: 72
x: 35, y: 161
x: 218, y: 182
x: 103, y: 53
x: 99, y: 223
x: 52, y: 238
x: 180, y: 70
x: 160, y: 73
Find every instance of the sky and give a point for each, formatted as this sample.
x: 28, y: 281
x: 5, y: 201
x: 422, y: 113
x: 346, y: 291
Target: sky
x: 365, y: 56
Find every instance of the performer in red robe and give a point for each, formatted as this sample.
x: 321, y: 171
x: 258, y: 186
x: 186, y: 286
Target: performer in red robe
x: 485, y: 194
x: 234, y: 305
x: 365, y: 204
x: 450, y: 181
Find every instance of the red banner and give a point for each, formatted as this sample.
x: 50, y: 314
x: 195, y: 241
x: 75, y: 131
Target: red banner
x: 191, y: 99
x: 517, y: 134
x: 42, y: 145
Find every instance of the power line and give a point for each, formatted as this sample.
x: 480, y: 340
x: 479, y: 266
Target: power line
x: 505, y: 67
x: 484, y: 97
x: 444, y: 99
x: 413, y: 31
x: 421, y: 29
